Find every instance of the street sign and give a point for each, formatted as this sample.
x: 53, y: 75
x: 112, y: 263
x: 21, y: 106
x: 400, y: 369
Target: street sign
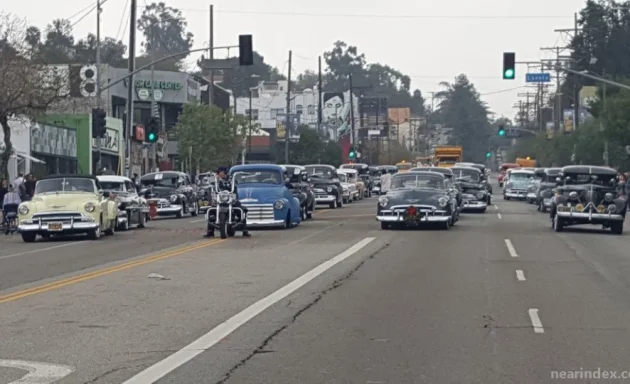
x: 537, y: 77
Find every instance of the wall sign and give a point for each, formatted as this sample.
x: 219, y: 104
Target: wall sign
x: 109, y: 143
x: 164, y: 85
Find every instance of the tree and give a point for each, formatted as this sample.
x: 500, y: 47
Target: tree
x: 310, y: 149
x: 28, y: 88
x: 164, y: 30
x: 112, y: 51
x: 211, y: 136
x: 58, y: 47
x: 308, y: 79
x: 462, y: 109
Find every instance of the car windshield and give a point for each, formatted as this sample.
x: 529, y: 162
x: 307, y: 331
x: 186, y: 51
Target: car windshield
x: 521, y: 176
x: 258, y: 177
x: 320, y: 172
x: 603, y: 180
x: 466, y: 175
x: 417, y: 181
x: 118, y: 186
x: 171, y: 182
x: 342, y: 178
x: 66, y: 185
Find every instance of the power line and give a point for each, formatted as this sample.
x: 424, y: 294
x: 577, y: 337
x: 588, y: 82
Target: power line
x: 123, y: 19
x: 80, y: 12
x: 84, y: 16
x: 502, y: 91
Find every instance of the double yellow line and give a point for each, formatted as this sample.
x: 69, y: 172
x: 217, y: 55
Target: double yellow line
x: 103, y: 272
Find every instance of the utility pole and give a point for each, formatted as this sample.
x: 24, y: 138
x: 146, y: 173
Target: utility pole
x: 130, y: 85
x: 558, y: 104
x: 574, y: 65
x: 249, y: 144
x: 154, y: 109
x: 98, y: 80
x: 351, y: 111
x: 288, y: 121
x: 320, y: 96
x: 211, y: 55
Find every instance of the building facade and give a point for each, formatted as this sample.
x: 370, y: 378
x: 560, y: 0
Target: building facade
x: 56, y: 148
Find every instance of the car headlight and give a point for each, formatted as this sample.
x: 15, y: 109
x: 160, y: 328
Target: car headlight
x: 481, y: 195
x: 573, y: 195
x: 89, y: 207
x: 612, y: 208
x: 329, y: 189
x: 608, y: 196
x: 23, y: 210
x: 279, y: 204
x: 443, y: 201
x: 383, y: 201
x: 508, y: 190
x: 173, y: 198
x: 224, y: 196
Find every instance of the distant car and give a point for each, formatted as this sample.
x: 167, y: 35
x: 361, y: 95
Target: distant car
x: 133, y: 210
x: 474, y: 194
x: 588, y: 195
x: 326, y: 185
x: 349, y: 190
x: 416, y: 198
x: 298, y: 177
x: 546, y: 189
x: 517, y: 184
x: 172, y: 192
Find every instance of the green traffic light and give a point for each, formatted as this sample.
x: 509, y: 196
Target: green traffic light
x: 151, y: 136
x: 501, y: 133
x: 509, y: 74
x: 351, y: 155
x: 488, y: 154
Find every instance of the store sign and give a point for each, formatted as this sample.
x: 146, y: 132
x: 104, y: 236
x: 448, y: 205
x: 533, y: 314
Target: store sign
x: 162, y: 85
x: 109, y: 142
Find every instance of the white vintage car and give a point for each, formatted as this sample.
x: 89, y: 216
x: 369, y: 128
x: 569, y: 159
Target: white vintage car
x: 350, y: 191
x: 133, y: 210
x: 67, y: 205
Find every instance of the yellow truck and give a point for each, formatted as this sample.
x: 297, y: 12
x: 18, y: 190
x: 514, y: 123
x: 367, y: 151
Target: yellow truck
x: 404, y: 166
x: 526, y: 162
x: 446, y: 156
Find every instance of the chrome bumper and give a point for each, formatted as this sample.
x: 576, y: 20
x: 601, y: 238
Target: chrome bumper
x: 425, y: 219
x: 376, y: 190
x: 547, y: 203
x: 590, y: 216
x: 474, y: 205
x: 265, y: 223
x: 170, y: 210
x: 85, y: 224
x: 325, y: 199
x: 531, y: 195
x: 516, y: 195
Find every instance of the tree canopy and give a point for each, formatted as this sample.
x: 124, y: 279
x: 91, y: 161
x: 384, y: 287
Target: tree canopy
x: 310, y: 149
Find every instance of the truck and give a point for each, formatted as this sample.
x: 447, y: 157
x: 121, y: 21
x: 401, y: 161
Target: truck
x: 446, y: 156
x: 526, y: 162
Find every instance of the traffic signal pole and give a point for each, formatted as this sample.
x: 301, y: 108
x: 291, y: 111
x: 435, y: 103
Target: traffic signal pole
x: 98, y: 81
x: 130, y: 87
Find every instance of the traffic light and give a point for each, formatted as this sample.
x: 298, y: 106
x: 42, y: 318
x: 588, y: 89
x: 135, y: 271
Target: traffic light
x: 153, y: 128
x: 99, y: 123
x: 501, y: 131
x: 245, y: 50
x: 509, y: 70
x: 352, y: 154
x: 488, y: 155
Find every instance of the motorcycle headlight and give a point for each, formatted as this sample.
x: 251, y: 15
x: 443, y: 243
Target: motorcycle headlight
x: 89, y: 207
x: 608, y: 196
x: 383, y: 201
x: 173, y: 198
x: 481, y: 195
x: 573, y: 195
x: 224, y: 196
x: 279, y: 204
x: 23, y: 210
x: 443, y: 201
x: 329, y: 189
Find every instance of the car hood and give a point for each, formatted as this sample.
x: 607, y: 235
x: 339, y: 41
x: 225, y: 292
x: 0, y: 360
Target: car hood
x: 62, y: 202
x: 347, y: 185
x: 415, y: 196
x: 257, y: 193
x: 160, y: 192
x: 470, y: 187
x: 323, y: 182
x: 519, y: 183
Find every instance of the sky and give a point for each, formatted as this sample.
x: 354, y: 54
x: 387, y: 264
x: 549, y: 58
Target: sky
x: 430, y: 41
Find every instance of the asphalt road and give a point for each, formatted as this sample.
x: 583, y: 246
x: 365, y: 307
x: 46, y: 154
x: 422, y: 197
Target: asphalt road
x: 499, y: 298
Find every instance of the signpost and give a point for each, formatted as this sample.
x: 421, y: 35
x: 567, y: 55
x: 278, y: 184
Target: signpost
x: 537, y: 77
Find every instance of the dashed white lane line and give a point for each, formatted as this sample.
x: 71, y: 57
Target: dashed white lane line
x: 496, y: 207
x: 533, y: 316
x: 511, y: 248
x: 499, y: 216
x: 520, y: 275
x: 198, y: 221
x: 205, y: 342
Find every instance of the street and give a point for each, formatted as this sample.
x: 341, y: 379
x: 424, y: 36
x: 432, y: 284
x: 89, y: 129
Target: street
x: 498, y: 298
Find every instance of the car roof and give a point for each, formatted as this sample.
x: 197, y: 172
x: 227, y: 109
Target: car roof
x: 113, y: 178
x: 553, y: 171
x: 264, y: 167
x: 320, y: 166
x: 347, y: 170
x: 467, y: 169
x: 69, y: 176
x: 165, y: 175
x: 444, y: 171
x: 588, y: 170
x: 523, y: 171
x: 435, y: 174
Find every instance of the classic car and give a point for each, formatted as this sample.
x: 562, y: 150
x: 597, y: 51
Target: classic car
x: 588, y: 195
x: 353, y: 177
x: 364, y: 175
x: 326, y: 185
x: 416, y: 198
x: 265, y: 190
x: 545, y: 191
x: 448, y: 173
x: 485, y: 172
x: 171, y: 192
x: 132, y: 208
x: 503, y: 171
x: 298, y: 177
x: 474, y: 194
x: 205, y: 181
x: 67, y: 205
x: 375, y: 175
x: 517, y: 184
x: 534, y: 185
x: 350, y: 191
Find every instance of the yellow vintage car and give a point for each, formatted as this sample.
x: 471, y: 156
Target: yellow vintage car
x: 353, y: 177
x: 67, y: 205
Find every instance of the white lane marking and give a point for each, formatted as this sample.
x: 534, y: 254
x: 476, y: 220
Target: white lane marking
x: 207, y: 341
x: 496, y: 207
x: 533, y: 315
x: 510, y: 248
x: 499, y: 216
x: 39, y: 373
x: 520, y: 275
x: 40, y: 250
x: 198, y: 221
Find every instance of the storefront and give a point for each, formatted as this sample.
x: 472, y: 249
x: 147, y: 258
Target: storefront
x: 57, y: 148
x: 110, y: 151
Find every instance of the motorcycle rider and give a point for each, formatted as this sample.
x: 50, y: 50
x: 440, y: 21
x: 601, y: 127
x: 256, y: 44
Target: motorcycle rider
x: 225, y: 184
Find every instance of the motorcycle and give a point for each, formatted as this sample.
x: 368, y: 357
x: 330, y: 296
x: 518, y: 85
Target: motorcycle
x: 222, y: 214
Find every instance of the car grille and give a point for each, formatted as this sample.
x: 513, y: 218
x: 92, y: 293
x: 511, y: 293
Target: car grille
x: 57, y: 217
x: 319, y: 192
x: 429, y: 210
x: 259, y: 211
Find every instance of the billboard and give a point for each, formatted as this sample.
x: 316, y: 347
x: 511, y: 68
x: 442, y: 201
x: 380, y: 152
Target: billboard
x: 398, y: 115
x: 373, y: 115
x: 288, y: 125
x: 335, y: 112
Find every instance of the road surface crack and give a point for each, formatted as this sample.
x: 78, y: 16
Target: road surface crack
x: 336, y: 284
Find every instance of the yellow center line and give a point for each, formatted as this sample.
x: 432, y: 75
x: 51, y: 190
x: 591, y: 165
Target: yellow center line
x: 102, y: 272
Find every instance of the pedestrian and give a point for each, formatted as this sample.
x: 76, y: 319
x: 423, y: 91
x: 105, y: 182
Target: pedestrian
x: 29, y: 185
x: 386, y: 181
x: 10, y: 203
x: 4, y: 188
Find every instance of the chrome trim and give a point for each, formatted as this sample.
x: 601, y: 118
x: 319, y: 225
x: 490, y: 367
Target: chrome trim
x: 590, y: 216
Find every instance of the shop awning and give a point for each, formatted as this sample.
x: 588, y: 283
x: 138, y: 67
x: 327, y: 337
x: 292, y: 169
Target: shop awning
x: 24, y: 156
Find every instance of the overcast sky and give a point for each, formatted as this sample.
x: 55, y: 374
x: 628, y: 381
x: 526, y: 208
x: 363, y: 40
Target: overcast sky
x: 431, y: 41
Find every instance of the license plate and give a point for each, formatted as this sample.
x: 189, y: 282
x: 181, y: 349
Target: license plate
x: 55, y: 226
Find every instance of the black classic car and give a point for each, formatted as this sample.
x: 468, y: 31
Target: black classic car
x: 133, y: 210
x: 485, y: 172
x: 172, y: 192
x: 534, y: 184
x: 417, y: 198
x: 588, y: 195
x: 545, y: 190
x: 325, y: 184
x: 474, y: 194
x: 299, y: 179
x: 375, y: 175
x: 448, y: 173
x: 364, y: 175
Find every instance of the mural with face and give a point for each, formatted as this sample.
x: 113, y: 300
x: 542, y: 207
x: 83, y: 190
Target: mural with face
x: 332, y: 112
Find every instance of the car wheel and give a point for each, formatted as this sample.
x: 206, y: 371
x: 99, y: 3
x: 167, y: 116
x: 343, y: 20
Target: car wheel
x: 333, y: 205
x: 303, y: 213
x: 309, y: 215
x: 288, y: 220
x: 558, y: 223
x: 180, y: 214
x: 143, y: 220
x: 446, y: 225
x: 125, y: 225
x: 340, y: 203
x: 617, y: 227
x: 28, y: 237
x: 384, y: 225
x: 95, y: 234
